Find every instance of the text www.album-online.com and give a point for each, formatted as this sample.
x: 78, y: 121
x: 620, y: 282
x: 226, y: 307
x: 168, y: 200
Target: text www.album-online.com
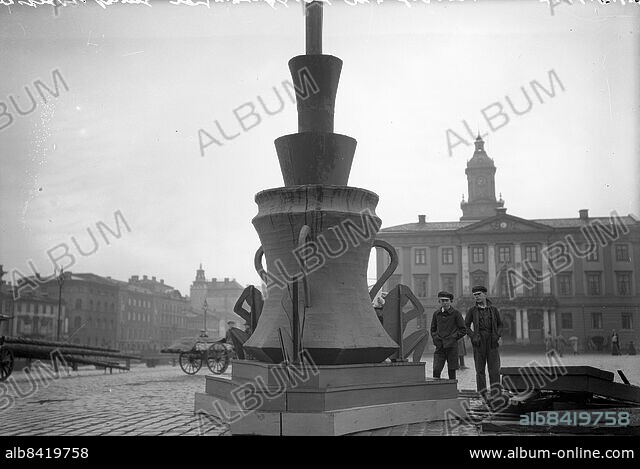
x: 573, y: 453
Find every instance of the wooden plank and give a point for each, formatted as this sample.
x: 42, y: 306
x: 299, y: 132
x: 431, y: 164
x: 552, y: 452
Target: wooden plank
x: 556, y: 370
x: 580, y: 383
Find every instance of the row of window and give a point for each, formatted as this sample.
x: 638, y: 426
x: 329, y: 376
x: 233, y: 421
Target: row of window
x: 623, y: 285
x: 99, y: 306
x: 566, y: 321
x: 100, y: 323
x: 98, y: 292
x: 136, y: 316
x: 531, y: 253
x: 36, y: 308
x: 533, y: 288
x: 148, y: 304
x: 171, y: 319
x: 137, y: 334
x: 139, y: 303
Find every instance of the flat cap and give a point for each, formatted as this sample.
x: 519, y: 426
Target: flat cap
x: 478, y: 288
x: 445, y: 294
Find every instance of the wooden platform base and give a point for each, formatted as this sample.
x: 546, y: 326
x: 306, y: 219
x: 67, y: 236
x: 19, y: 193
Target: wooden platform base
x: 264, y: 399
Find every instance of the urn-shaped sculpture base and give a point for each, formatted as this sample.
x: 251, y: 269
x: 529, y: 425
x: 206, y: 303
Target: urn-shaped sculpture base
x: 338, y: 323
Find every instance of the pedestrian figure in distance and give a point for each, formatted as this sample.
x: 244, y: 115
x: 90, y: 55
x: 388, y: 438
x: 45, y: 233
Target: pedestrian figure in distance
x: 615, y: 343
x: 573, y: 340
x: 484, y: 327
x: 447, y: 327
x: 632, y: 349
x: 561, y: 343
x: 548, y: 343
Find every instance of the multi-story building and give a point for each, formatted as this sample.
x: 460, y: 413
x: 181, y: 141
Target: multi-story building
x: 571, y: 276
x: 141, y: 315
x: 33, y: 314
x: 220, y: 298
x: 152, y: 315
x: 91, y: 303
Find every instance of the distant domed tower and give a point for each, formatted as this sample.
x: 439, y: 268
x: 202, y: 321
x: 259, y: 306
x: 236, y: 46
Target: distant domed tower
x: 480, y: 173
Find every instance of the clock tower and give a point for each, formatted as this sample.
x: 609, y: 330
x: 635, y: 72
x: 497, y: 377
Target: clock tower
x: 481, y: 181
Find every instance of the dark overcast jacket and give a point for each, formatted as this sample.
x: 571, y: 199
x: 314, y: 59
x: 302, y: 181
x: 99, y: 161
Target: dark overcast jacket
x: 447, y: 327
x: 473, y: 319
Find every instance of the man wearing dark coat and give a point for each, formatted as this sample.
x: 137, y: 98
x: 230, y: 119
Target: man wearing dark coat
x: 447, y: 327
x: 484, y: 327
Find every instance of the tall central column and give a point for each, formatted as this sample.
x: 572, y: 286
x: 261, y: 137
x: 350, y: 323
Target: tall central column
x: 492, y: 269
x: 517, y: 251
x: 464, y: 258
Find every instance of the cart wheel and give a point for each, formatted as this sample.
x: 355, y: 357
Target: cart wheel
x: 6, y: 363
x: 217, y: 361
x: 191, y: 362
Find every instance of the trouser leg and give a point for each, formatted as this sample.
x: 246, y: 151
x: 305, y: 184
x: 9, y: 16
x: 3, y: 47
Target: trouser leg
x: 452, y: 361
x: 480, y: 359
x: 493, y: 363
x: 438, y: 362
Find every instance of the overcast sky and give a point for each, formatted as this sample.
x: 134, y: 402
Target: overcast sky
x: 143, y: 80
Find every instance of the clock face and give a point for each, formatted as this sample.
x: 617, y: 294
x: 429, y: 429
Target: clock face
x: 481, y: 181
x: 503, y: 225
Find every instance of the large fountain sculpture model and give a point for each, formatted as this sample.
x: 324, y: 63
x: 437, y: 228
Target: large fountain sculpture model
x: 335, y: 324
x: 340, y: 325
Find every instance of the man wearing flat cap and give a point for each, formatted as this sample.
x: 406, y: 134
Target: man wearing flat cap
x: 484, y: 327
x: 447, y: 326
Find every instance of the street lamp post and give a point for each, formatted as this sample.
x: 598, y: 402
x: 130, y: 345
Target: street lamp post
x: 60, y: 283
x: 204, y: 308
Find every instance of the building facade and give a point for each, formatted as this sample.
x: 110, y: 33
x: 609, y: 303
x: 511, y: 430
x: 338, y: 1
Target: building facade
x: 220, y: 296
x: 575, y: 277
x: 152, y: 315
x: 138, y: 316
x: 91, y: 306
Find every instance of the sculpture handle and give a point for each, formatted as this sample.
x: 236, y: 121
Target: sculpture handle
x: 378, y: 243
x: 257, y: 263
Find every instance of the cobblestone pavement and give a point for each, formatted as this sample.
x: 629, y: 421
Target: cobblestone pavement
x: 143, y: 401
x: 159, y: 401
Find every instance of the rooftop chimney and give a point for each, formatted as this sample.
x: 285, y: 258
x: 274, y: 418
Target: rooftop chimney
x: 162, y: 281
x: 214, y: 280
x: 226, y: 280
x: 584, y: 214
x: 153, y: 278
x: 135, y: 278
x: 422, y: 219
x: 144, y: 277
